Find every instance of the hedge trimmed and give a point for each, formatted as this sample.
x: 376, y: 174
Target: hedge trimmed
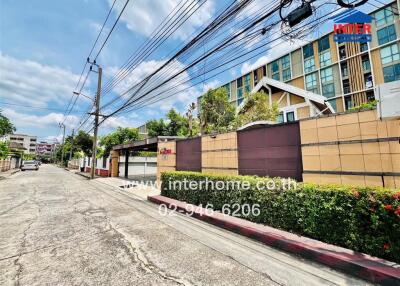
x: 365, y: 219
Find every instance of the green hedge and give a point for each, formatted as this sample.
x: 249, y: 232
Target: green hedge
x: 364, y: 219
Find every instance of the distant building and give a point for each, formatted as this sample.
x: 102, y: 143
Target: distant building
x: 25, y: 142
x: 143, y: 131
x: 44, y: 149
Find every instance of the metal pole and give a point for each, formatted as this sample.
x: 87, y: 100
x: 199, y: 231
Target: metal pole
x: 72, y: 145
x: 96, y: 123
x: 62, y: 150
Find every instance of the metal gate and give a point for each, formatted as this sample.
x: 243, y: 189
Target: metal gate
x: 273, y: 151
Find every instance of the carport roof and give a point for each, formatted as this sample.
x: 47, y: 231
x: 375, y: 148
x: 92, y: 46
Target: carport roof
x: 149, y: 144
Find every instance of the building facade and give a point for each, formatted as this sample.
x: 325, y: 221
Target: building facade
x: 44, y: 149
x: 28, y: 143
x: 345, y: 74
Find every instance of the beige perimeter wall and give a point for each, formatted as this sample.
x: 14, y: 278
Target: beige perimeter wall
x: 353, y: 149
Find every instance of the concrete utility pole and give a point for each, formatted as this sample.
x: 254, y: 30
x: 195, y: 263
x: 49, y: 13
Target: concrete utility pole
x: 62, y: 150
x: 96, y: 122
x: 72, y: 145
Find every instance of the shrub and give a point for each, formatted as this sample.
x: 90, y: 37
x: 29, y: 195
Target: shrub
x: 365, y: 219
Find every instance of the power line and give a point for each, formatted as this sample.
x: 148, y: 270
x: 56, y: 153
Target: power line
x: 35, y: 107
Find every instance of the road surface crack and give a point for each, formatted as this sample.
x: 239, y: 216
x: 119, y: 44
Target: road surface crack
x: 144, y: 263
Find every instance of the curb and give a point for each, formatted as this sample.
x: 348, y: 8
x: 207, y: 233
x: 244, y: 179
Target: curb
x: 369, y: 268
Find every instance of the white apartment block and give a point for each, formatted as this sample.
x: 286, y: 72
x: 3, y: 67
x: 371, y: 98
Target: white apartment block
x: 26, y: 141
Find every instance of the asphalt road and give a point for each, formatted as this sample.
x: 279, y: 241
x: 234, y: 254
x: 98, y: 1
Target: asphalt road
x: 57, y: 228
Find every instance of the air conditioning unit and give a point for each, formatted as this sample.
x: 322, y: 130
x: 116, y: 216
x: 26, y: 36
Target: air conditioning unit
x: 388, y: 95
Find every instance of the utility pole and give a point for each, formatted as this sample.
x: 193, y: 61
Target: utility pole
x: 96, y: 122
x: 62, y: 150
x: 72, y: 145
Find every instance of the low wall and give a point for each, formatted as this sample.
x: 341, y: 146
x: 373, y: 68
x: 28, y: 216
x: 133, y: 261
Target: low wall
x: 5, y: 165
x: 352, y: 149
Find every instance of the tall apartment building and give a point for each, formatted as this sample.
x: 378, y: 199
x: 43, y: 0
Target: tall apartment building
x: 28, y: 142
x: 343, y: 75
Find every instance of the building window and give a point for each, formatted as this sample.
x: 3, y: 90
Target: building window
x: 309, y: 65
x: 280, y: 118
x: 333, y: 104
x: 328, y: 87
x: 240, y: 100
x: 240, y: 93
x: 323, y: 44
x: 228, y: 90
x: 247, y: 87
x: 345, y: 70
x: 286, y: 73
x: 391, y: 73
x: 370, y: 95
x: 368, y: 81
x: 239, y: 82
x: 348, y: 102
x: 363, y: 47
x: 325, y: 58
x: 264, y: 70
x: 390, y: 54
x: 346, y: 86
x: 275, y: 70
x: 384, y: 16
x: 366, y: 63
x: 255, y: 78
x: 308, y: 51
x: 290, y: 116
x: 386, y: 35
x: 342, y: 52
x: 104, y: 162
x: 311, y: 83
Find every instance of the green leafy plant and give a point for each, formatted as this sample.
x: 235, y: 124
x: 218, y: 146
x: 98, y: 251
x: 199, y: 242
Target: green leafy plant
x: 256, y: 107
x: 365, y: 219
x: 365, y: 106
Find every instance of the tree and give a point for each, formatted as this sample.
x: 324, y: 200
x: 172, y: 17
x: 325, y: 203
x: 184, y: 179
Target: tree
x: 217, y: 114
x: 83, y: 142
x: 4, y: 150
x: 119, y: 136
x: 6, y: 127
x: 177, y: 125
x: 156, y: 128
x: 256, y: 107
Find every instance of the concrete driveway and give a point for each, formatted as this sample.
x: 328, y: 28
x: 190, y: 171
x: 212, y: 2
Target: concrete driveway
x: 57, y: 228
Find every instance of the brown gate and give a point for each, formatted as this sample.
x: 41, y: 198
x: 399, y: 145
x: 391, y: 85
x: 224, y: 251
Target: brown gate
x: 273, y: 151
x: 188, y: 155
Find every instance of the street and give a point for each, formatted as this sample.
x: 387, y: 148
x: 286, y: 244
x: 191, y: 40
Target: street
x: 57, y: 228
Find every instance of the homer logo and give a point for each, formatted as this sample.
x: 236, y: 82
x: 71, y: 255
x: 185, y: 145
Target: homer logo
x: 352, y: 26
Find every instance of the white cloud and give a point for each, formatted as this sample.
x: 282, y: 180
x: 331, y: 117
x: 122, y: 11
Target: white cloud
x: 39, y: 121
x: 31, y: 83
x: 144, y: 16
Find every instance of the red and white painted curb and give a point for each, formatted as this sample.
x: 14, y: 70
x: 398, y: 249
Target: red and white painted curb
x: 367, y: 267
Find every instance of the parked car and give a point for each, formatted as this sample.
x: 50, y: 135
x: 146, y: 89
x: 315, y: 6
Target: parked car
x: 29, y: 165
x: 39, y: 163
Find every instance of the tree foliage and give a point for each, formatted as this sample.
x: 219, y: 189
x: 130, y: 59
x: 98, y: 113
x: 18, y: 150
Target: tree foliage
x: 119, y: 136
x: 83, y: 142
x: 217, y: 114
x: 4, y: 150
x: 255, y: 108
x: 6, y: 127
x: 175, y: 124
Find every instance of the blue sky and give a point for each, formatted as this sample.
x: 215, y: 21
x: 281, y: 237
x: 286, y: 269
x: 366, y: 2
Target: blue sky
x: 44, y: 44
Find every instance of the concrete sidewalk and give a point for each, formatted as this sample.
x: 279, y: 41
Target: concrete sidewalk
x: 6, y: 174
x: 361, y: 265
